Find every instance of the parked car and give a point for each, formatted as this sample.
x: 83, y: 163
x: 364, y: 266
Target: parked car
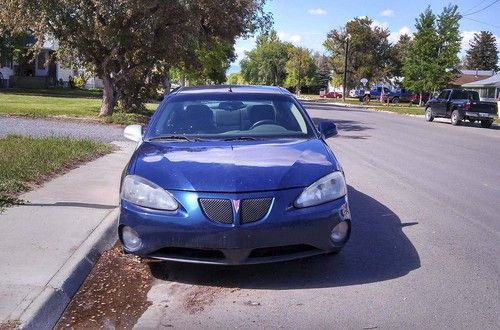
x: 376, y: 91
x: 400, y: 95
x: 415, y: 98
x: 356, y: 93
x: 232, y: 175
x: 459, y: 104
x: 332, y: 95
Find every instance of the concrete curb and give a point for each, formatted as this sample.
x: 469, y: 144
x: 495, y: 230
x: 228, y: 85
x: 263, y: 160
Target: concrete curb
x: 343, y: 105
x: 48, y: 306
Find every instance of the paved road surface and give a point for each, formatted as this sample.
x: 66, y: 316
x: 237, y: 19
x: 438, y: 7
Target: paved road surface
x: 424, y: 252
x: 48, y: 127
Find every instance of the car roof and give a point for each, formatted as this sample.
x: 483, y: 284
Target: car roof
x: 232, y: 89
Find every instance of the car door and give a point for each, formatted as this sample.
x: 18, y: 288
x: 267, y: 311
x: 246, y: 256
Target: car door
x: 439, y: 104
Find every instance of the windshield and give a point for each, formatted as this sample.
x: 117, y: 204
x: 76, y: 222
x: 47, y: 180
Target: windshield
x: 229, y: 117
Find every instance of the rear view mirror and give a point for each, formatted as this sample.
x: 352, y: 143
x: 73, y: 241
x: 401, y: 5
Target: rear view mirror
x: 133, y: 132
x: 328, y: 128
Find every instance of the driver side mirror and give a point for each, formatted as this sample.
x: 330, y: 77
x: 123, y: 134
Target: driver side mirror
x: 133, y: 132
x: 328, y: 128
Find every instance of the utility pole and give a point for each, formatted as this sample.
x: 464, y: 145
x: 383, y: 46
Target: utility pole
x: 345, y: 66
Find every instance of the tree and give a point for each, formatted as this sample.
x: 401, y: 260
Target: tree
x: 124, y: 41
x: 235, y: 78
x: 324, y: 70
x: 433, y: 54
x: 300, y: 69
x: 482, y: 53
x: 265, y: 64
x: 399, y: 52
x: 420, y: 65
x: 368, y: 50
x: 449, y: 40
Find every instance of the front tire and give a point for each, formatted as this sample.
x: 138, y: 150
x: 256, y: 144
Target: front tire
x: 395, y: 100
x: 428, y: 114
x: 486, y: 123
x: 455, y: 118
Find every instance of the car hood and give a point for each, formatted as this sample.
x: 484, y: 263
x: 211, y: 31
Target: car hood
x: 236, y: 166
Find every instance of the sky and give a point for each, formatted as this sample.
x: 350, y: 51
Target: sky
x: 306, y: 23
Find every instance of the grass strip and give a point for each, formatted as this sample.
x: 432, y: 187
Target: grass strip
x: 26, y: 162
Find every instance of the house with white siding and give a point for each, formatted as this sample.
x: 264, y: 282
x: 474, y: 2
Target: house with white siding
x: 41, y: 72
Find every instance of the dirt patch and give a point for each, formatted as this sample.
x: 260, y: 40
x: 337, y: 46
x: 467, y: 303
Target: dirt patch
x: 10, y: 325
x: 113, y: 296
x: 199, y: 297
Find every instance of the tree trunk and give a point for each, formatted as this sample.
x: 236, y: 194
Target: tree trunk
x: 167, y: 82
x: 420, y: 101
x: 108, y: 96
x: 182, y: 80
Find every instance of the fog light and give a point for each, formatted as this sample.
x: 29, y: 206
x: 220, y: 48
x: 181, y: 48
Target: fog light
x: 339, y: 232
x: 130, y: 239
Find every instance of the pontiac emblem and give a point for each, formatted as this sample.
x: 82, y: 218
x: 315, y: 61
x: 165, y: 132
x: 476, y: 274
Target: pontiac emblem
x: 236, y: 204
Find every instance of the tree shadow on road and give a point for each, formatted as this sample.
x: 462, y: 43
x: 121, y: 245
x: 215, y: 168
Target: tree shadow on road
x: 378, y: 251
x: 346, y: 126
x: 444, y: 121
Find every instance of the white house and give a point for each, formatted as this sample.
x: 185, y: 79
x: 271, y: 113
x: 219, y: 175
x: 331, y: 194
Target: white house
x: 41, y: 72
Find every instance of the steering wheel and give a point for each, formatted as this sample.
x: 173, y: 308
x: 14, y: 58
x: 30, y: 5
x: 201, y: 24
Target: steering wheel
x: 262, y: 122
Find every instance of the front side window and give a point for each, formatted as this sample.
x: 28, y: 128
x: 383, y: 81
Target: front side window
x: 222, y: 117
x: 444, y: 95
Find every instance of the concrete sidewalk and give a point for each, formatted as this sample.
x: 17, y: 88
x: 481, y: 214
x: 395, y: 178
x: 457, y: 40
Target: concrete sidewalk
x: 48, y: 247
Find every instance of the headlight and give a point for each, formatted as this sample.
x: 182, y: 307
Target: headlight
x: 142, y: 192
x: 326, y: 189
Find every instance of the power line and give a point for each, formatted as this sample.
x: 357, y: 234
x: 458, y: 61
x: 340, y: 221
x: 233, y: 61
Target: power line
x: 478, y: 21
x: 480, y: 10
x: 476, y: 5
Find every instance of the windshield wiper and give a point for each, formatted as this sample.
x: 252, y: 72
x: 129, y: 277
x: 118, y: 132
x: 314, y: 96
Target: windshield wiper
x: 173, y: 137
x: 241, y: 138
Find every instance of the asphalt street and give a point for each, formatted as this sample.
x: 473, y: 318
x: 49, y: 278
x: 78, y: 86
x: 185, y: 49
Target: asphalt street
x: 424, y: 251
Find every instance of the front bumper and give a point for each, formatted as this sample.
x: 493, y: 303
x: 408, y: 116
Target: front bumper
x: 481, y: 115
x: 187, y: 235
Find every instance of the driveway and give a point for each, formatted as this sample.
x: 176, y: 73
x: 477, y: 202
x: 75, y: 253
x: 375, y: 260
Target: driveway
x: 424, y: 249
x: 38, y: 127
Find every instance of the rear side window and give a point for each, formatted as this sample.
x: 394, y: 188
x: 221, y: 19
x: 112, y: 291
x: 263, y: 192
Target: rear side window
x: 473, y: 96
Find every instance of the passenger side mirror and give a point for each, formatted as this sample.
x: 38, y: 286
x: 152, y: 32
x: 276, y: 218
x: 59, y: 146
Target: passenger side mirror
x: 328, y: 128
x: 133, y: 132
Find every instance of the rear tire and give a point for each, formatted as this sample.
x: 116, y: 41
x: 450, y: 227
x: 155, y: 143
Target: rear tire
x: 486, y: 123
x: 455, y: 118
x: 428, y: 114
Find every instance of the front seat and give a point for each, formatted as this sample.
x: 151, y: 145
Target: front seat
x: 200, y: 119
x: 260, y: 112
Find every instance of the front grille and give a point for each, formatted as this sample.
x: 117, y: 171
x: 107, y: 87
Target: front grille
x: 218, y: 210
x: 254, y: 209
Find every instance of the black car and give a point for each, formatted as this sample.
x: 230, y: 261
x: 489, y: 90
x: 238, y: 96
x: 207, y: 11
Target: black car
x: 459, y: 104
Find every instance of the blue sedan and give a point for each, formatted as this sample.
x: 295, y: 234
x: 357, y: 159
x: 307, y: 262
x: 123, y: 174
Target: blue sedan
x: 232, y: 175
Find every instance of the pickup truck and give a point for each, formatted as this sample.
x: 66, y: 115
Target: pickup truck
x: 400, y: 95
x: 459, y: 105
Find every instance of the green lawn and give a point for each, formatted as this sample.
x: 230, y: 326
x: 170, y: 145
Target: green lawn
x: 25, y: 161
x: 74, y: 103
